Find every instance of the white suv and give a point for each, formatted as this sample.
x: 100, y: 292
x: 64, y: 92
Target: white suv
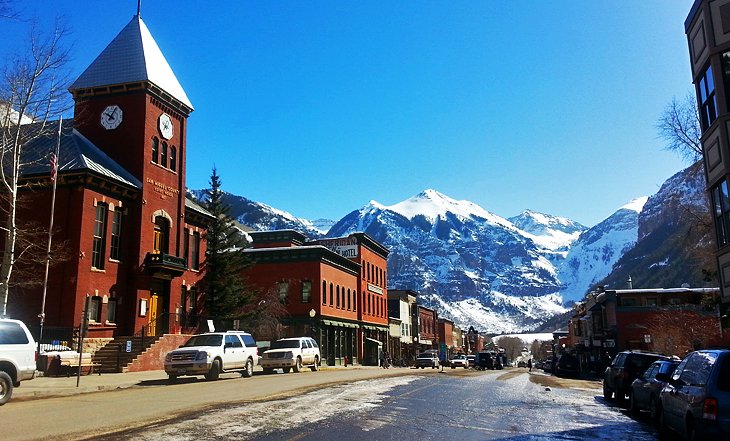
x: 213, y: 353
x: 292, y: 353
x: 18, y: 356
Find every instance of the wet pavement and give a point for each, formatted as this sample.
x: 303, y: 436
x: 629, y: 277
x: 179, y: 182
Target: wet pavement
x: 463, y: 405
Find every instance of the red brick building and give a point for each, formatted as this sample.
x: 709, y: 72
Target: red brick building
x: 427, y: 328
x: 612, y: 321
x: 134, y: 239
x: 333, y: 289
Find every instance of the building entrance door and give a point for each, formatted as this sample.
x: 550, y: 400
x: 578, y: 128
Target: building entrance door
x: 152, y: 328
x: 158, y: 317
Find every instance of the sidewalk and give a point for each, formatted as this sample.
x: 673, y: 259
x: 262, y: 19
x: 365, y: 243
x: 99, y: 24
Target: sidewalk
x: 47, y: 387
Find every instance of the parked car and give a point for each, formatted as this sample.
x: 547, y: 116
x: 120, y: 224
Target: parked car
x: 567, y: 365
x: 428, y: 359
x: 696, y: 399
x: 627, y: 366
x: 213, y: 353
x: 18, y: 356
x: 459, y: 360
x: 521, y: 364
x: 292, y: 353
x: 644, y: 392
x: 472, y: 360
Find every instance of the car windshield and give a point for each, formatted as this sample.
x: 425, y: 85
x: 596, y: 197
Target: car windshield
x: 285, y: 344
x: 205, y: 340
x: 425, y: 355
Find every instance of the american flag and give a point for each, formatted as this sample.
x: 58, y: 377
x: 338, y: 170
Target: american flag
x: 54, y: 166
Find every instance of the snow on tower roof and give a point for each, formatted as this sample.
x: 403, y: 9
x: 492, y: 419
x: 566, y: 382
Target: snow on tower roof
x: 132, y: 56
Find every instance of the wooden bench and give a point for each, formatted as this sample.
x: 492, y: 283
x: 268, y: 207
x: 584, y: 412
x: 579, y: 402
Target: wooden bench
x: 70, y: 365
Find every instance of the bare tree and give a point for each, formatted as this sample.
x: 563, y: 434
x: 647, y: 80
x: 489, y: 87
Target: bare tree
x: 32, y: 93
x: 679, y: 126
x: 512, y: 346
x: 676, y: 332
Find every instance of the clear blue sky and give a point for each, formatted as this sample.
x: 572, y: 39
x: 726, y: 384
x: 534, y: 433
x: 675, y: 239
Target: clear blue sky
x: 318, y: 107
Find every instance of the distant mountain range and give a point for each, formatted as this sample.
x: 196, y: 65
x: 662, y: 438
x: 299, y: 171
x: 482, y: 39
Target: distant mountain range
x: 505, y: 275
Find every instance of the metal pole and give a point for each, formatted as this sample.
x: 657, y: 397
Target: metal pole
x: 54, y: 179
x: 82, y: 332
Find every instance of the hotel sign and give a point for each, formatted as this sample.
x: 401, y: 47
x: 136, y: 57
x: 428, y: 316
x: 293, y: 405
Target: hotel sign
x: 345, y: 246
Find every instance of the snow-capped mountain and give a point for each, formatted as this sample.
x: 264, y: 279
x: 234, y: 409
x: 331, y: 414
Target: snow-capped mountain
x: 550, y: 232
x: 476, y: 267
x: 593, y: 254
x: 512, y: 275
x: 263, y: 217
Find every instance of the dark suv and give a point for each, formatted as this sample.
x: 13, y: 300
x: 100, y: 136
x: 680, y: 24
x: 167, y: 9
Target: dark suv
x: 626, y: 367
x: 696, y: 400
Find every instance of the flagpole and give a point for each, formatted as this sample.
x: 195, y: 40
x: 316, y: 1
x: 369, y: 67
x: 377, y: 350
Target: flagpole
x: 54, y: 179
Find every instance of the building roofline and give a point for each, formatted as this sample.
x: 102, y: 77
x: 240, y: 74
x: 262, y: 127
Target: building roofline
x: 691, y: 15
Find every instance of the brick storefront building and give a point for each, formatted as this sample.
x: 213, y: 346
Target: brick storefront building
x: 333, y: 289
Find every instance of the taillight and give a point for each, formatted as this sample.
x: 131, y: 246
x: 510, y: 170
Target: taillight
x: 710, y: 409
x: 36, y: 356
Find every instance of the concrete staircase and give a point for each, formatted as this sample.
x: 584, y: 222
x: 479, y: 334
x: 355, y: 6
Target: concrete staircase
x: 113, y: 357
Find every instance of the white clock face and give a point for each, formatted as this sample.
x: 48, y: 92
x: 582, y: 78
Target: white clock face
x: 166, y: 126
x: 111, y: 117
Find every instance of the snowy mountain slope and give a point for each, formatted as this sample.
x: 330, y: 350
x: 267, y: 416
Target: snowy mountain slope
x: 592, y: 256
x: 264, y: 217
x: 675, y: 239
x: 550, y: 232
x: 451, y: 251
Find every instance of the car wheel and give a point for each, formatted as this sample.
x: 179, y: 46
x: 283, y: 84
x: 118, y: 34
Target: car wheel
x: 607, y: 393
x: 298, y: 365
x: 6, y: 387
x: 453, y: 367
x: 315, y: 366
x: 286, y: 370
x: 633, y: 407
x: 663, y: 429
x: 654, y: 409
x: 214, y: 372
x: 171, y: 378
x: 690, y: 432
x: 620, y: 397
x: 423, y: 367
x: 248, y: 370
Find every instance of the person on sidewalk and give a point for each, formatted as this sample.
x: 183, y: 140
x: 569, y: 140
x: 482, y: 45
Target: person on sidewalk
x: 529, y: 365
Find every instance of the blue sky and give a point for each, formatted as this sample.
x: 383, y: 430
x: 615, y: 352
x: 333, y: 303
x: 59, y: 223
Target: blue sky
x: 318, y: 107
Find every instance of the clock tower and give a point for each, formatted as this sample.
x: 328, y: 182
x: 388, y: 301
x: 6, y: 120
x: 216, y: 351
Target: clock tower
x: 130, y: 105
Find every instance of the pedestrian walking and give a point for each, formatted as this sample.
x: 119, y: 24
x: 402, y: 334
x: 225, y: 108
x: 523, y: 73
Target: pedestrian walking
x: 529, y: 365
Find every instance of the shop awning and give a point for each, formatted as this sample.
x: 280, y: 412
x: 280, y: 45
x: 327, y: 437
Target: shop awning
x: 378, y: 342
x: 340, y: 324
x: 376, y: 328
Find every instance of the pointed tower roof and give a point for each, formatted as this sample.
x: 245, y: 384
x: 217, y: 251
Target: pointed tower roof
x: 132, y: 56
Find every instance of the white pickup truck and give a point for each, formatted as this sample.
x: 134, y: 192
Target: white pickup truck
x: 18, y: 355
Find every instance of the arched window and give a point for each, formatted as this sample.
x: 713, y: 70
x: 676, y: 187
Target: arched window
x: 349, y: 294
x: 161, y: 234
x: 155, y: 149
x: 98, y: 249
x: 324, y: 292
x: 332, y: 295
x: 163, y: 156
x: 173, y: 158
x: 337, y: 303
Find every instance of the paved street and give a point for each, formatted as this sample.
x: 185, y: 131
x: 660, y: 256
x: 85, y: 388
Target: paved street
x: 463, y: 405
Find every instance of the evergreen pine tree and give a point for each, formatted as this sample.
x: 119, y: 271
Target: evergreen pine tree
x: 226, y: 293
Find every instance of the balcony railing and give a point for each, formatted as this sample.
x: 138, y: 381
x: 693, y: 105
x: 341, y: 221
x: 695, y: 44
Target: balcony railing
x: 166, y: 263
